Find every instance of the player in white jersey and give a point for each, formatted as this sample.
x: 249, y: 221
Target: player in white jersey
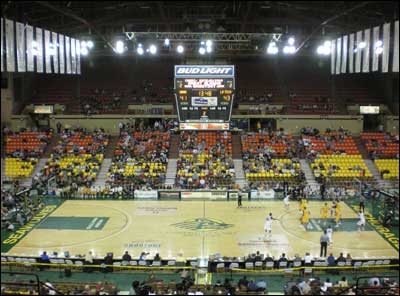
x: 329, y: 232
x: 361, y: 222
x: 268, y: 226
x: 286, y: 201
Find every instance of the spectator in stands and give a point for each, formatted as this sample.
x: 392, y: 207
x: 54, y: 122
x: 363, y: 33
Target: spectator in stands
x: 327, y: 284
x: 157, y: 257
x: 283, y: 258
x: 134, y: 290
x: 343, y: 283
x: 243, y: 283
x: 44, y: 258
x: 126, y: 256
x: 304, y: 287
x: 308, y: 259
x: 341, y: 258
x: 251, y: 287
x: 331, y: 260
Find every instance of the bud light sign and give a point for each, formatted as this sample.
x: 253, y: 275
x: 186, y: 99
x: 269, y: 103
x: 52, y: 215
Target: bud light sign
x: 204, y: 71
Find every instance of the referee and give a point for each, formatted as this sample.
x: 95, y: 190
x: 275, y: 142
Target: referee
x: 324, y: 243
x: 239, y: 199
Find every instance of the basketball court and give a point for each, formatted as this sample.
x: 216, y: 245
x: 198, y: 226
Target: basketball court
x: 194, y: 228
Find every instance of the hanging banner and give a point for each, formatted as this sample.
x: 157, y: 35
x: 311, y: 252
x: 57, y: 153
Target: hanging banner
x: 338, y: 54
x: 68, y: 54
x: 386, y: 46
x: 358, y: 53
x: 344, y: 55
x: 73, y: 56
x: 56, y: 51
x: 375, y: 56
x: 333, y: 55
x: 39, y: 56
x: 29, y: 53
x: 78, y: 56
x: 366, y: 50
x: 48, y: 51
x: 2, y: 45
x: 395, y: 67
x: 21, y: 47
x: 351, y: 54
x: 10, y: 46
x: 62, y: 53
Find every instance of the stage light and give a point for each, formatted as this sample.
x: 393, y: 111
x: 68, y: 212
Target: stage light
x: 83, y: 44
x: 362, y: 45
x: 355, y: 50
x: 119, y: 47
x: 90, y: 44
x: 379, y: 50
x: 208, y: 43
x: 202, y: 50
x: 140, y: 50
x: 202, y: 43
x: 209, y: 49
x: 289, y: 50
x: 378, y: 43
x: 324, y: 49
x: 180, y: 49
x: 153, y: 49
x: 291, y: 41
x: 84, y: 51
x: 166, y: 42
x: 320, y: 50
x: 272, y: 49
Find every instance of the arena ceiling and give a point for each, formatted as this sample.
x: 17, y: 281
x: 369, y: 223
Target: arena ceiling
x: 105, y: 19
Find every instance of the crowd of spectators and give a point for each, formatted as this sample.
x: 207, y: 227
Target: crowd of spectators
x: 17, y: 208
x: 141, y: 157
x: 75, y: 161
x: 100, y: 100
x: 381, y: 145
x: 205, y: 160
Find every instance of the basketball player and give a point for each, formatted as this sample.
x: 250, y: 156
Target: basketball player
x: 305, y: 218
x: 333, y: 208
x: 268, y: 226
x: 338, y: 216
x: 286, y: 201
x: 361, y: 222
x: 329, y: 232
x: 324, y: 213
x: 303, y: 204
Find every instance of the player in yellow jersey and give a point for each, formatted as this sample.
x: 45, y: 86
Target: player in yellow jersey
x: 305, y: 218
x: 324, y: 213
x: 303, y: 204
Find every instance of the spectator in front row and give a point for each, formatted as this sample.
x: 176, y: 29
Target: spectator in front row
x: 126, y: 256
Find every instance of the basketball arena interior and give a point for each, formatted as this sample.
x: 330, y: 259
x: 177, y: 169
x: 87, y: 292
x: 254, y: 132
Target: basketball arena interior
x: 199, y: 148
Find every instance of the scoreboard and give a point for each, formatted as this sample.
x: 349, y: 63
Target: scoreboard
x: 204, y: 96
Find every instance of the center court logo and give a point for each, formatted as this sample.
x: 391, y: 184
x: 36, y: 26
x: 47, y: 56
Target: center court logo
x: 203, y: 224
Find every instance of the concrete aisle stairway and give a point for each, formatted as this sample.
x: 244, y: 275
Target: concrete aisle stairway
x: 171, y: 172
x: 239, y: 173
x: 102, y: 176
x: 174, y: 147
x: 305, y: 167
x: 382, y: 184
x: 27, y: 182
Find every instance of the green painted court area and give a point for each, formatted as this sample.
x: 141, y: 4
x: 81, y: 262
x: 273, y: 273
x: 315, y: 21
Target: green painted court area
x: 73, y: 223
x: 348, y: 224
